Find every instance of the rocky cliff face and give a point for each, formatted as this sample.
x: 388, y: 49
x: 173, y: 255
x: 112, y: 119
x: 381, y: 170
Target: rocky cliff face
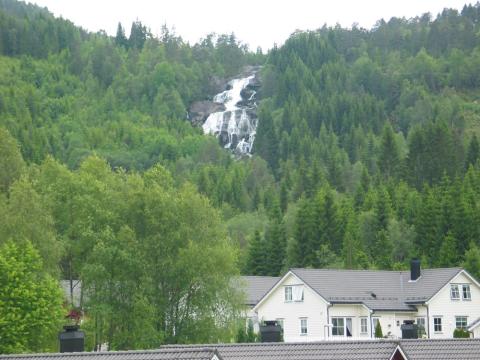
x: 231, y: 114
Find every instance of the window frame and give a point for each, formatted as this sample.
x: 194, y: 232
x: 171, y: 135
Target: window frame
x: 289, y: 287
x: 469, y: 292
x: 303, y: 321
x: 344, y: 327
x: 363, y: 326
x: 337, y: 326
x: 435, y: 325
x: 461, y: 317
x: 456, y: 291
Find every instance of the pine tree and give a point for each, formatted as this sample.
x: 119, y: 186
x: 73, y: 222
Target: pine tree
x: 428, y: 225
x: 383, y: 209
x: 472, y: 261
x: 305, y: 234
x: 138, y: 35
x: 257, y: 260
x: 353, y: 252
x: 473, y: 152
x: 283, y: 196
x: 120, y: 38
x: 389, y: 158
x: 276, y: 242
x: 383, y: 250
x: 447, y: 256
x: 328, y: 221
x: 266, y: 140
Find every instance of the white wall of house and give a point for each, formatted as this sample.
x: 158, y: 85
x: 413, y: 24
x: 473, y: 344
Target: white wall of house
x: 391, y: 322
x: 354, y: 312
x: 441, y: 305
x: 319, y: 314
x: 313, y: 308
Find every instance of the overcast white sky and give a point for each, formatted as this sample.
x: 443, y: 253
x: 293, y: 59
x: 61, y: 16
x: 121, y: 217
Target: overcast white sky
x: 255, y: 22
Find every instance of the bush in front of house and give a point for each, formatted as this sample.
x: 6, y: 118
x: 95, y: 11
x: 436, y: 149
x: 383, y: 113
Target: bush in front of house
x: 461, y: 333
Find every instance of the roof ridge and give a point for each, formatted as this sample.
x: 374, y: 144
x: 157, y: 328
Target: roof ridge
x: 378, y: 271
x: 162, y: 349
x: 253, y: 344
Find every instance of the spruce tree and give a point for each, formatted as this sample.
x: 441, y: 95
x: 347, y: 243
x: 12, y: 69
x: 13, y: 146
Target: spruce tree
x: 305, y: 233
x: 473, y: 152
x: 472, y: 261
x: 389, y: 157
x: 257, y: 256
x: 328, y: 221
x: 447, y: 256
x: 276, y: 242
x: 120, y: 38
x: 383, y: 250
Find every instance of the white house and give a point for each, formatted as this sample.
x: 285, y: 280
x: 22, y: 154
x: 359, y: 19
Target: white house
x: 325, y: 304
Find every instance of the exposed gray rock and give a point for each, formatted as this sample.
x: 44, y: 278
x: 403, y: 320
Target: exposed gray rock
x: 200, y: 110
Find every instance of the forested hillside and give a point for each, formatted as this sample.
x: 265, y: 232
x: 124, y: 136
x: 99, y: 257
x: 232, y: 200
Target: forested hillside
x: 366, y: 155
x: 371, y: 137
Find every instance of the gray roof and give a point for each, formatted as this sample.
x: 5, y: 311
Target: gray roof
x: 473, y: 324
x: 378, y: 290
x: 326, y: 350
x: 256, y: 287
x: 190, y: 353
x: 442, y: 349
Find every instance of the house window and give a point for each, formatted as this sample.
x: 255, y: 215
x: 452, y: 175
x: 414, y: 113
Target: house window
x: 466, y: 292
x: 294, y: 293
x: 288, y: 294
x: 338, y: 327
x: 461, y: 322
x: 281, y: 322
x: 374, y: 322
x: 454, y: 292
x: 297, y: 293
x: 421, y: 326
x: 341, y: 326
x: 363, y: 325
x: 303, y: 326
x: 437, y: 324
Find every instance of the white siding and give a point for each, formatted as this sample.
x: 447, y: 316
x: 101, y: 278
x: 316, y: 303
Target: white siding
x: 313, y: 307
x: 351, y: 311
x: 391, y: 322
x: 319, y: 314
x: 442, y: 305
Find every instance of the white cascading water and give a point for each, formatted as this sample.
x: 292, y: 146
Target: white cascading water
x: 235, y: 127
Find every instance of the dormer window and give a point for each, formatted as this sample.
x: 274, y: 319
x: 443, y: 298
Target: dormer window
x: 454, y: 292
x: 466, y: 294
x: 294, y: 293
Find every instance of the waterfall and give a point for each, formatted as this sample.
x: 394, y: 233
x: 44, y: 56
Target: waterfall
x: 236, y: 125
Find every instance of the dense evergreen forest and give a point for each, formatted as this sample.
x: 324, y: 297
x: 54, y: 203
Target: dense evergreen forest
x: 366, y: 155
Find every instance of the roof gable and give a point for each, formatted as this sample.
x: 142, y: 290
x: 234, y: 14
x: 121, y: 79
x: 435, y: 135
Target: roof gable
x: 280, y: 282
x: 461, y: 272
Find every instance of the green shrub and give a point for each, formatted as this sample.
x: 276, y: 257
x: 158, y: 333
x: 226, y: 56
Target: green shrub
x: 461, y: 333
